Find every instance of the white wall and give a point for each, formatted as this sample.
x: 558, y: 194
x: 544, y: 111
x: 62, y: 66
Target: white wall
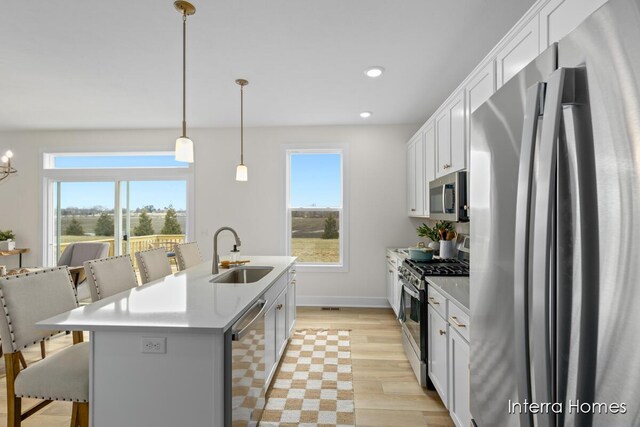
x: 376, y: 167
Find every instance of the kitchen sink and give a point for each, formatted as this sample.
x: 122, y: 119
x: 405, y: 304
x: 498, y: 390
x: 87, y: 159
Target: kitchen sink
x: 246, y: 274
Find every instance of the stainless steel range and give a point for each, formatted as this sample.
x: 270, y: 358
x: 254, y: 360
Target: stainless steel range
x: 413, y: 313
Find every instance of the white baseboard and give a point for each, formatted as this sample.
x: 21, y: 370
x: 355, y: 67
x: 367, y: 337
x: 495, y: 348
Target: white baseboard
x: 376, y: 302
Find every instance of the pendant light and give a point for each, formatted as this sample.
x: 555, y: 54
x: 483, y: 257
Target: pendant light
x: 184, y: 146
x: 242, y: 171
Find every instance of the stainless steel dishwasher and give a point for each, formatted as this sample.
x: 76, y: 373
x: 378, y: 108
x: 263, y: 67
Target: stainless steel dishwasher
x: 244, y: 370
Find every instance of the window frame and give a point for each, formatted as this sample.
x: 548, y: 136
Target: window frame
x: 343, y: 210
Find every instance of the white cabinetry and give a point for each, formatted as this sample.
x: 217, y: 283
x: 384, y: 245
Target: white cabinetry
x: 450, y: 136
x: 481, y: 87
x: 270, y: 342
x: 415, y: 176
x: 437, y: 353
x: 393, y: 280
x: 518, y: 52
x: 429, y: 163
x: 279, y: 319
x: 291, y: 301
x: 559, y: 17
x: 459, y: 379
x: 281, y: 323
x: 546, y: 22
x: 448, y: 355
x: 459, y: 366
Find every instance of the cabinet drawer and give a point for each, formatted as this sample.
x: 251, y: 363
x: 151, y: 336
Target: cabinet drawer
x: 459, y: 320
x: 292, y: 273
x: 391, y: 259
x: 437, y: 301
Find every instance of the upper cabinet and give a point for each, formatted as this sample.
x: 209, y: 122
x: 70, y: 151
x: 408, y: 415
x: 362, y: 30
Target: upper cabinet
x: 429, y: 162
x: 559, y: 17
x: 481, y: 87
x: 415, y: 176
x: 450, y: 136
x: 523, y: 48
x: 442, y: 145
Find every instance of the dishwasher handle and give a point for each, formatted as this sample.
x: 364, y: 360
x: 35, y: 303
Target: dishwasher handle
x: 238, y: 335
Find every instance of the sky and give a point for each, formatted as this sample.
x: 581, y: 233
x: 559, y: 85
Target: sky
x: 315, y: 180
x: 142, y: 193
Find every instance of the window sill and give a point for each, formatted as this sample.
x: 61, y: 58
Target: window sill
x: 319, y: 268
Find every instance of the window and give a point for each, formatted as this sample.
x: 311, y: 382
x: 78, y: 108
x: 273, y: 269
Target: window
x: 132, y: 201
x: 112, y: 160
x: 315, y: 212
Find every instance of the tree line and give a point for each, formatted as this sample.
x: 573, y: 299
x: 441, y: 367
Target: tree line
x: 105, y: 225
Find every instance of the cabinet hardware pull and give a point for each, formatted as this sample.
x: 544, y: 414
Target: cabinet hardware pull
x: 433, y: 301
x: 454, y: 319
x: 413, y: 210
x: 279, y: 306
x: 388, y: 257
x: 442, y: 332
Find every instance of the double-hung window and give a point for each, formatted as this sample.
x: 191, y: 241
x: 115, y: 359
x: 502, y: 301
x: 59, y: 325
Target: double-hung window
x: 316, y: 216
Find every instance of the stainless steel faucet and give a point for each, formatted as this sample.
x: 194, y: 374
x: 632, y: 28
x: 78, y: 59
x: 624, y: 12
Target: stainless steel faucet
x: 216, y: 258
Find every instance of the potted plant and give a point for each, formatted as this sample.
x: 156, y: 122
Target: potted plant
x: 6, y: 240
x: 431, y: 233
x: 441, y: 234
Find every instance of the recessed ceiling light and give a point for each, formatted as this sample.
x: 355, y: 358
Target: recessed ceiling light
x: 374, y: 72
x: 365, y: 114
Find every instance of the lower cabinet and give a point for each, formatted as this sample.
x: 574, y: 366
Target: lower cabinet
x: 270, y: 343
x: 437, y: 353
x: 291, y: 305
x: 394, y: 285
x: 281, y: 323
x: 448, y: 355
x: 459, y: 379
x: 279, y: 320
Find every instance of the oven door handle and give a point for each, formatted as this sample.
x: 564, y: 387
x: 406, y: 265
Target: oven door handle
x: 411, y: 290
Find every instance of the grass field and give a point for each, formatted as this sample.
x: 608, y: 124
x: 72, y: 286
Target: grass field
x: 316, y: 250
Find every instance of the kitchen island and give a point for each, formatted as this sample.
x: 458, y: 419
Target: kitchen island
x: 161, y: 352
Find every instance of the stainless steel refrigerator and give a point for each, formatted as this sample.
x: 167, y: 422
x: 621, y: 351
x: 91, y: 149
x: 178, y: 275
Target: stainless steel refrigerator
x: 555, y: 226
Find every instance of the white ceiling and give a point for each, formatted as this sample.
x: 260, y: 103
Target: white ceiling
x: 95, y: 64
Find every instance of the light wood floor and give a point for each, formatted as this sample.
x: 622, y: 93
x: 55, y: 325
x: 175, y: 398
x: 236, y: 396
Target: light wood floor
x: 385, y: 390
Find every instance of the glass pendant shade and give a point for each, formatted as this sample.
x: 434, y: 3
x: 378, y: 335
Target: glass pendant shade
x: 184, y: 150
x: 242, y: 173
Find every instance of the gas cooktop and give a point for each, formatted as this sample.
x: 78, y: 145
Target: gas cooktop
x: 438, y: 267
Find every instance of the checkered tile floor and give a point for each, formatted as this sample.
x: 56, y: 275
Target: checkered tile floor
x: 314, y: 386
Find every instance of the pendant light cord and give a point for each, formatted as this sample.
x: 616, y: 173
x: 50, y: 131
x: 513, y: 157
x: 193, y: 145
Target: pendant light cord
x: 184, y: 74
x: 242, y: 125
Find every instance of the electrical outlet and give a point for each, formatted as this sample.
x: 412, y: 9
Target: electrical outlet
x: 153, y: 345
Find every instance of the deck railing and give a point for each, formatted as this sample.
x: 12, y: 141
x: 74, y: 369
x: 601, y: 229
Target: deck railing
x: 139, y: 243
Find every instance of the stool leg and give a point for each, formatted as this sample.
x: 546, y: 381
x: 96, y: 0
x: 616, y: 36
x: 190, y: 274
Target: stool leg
x: 43, y: 350
x: 83, y: 414
x: 74, y: 414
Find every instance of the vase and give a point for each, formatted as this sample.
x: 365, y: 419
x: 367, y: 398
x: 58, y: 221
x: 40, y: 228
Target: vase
x: 447, y: 248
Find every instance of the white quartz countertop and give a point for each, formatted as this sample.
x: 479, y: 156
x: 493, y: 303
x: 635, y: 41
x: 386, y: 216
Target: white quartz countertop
x: 184, y: 300
x: 455, y: 288
x: 397, y: 253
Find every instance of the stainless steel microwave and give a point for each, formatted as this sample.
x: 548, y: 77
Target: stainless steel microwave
x: 448, y: 198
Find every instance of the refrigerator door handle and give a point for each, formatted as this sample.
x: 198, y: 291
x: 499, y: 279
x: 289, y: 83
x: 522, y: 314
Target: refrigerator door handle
x: 533, y: 109
x: 543, y: 251
x: 580, y: 169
